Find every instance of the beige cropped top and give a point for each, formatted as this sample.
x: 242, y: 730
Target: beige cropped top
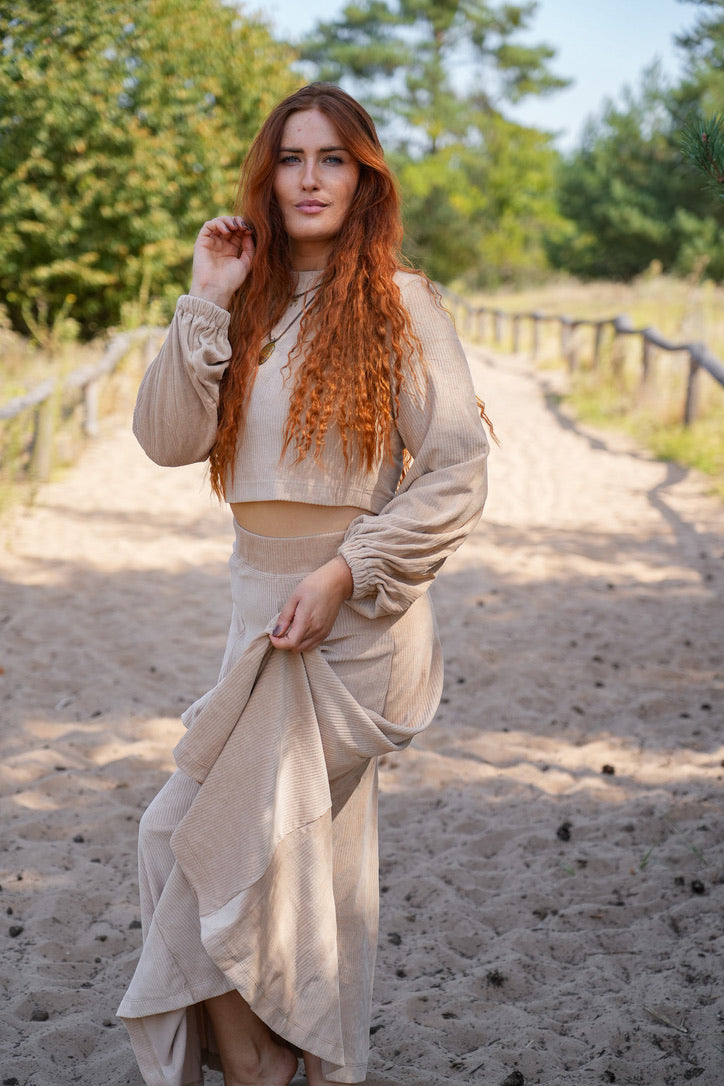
x: 393, y: 552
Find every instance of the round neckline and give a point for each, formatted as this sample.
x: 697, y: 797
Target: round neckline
x: 308, y: 278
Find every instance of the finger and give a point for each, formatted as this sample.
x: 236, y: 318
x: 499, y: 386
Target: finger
x: 286, y: 618
x: 299, y: 636
x: 248, y: 245
x: 225, y: 225
x: 307, y: 644
x: 304, y: 634
x: 285, y: 643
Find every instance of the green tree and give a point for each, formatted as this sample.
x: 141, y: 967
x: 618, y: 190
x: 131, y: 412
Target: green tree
x: 436, y: 75
x: 628, y: 192
x: 702, y: 144
x: 702, y: 88
x: 481, y: 212
x: 622, y: 188
x: 122, y: 125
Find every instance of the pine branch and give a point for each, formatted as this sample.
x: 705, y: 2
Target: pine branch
x: 702, y: 145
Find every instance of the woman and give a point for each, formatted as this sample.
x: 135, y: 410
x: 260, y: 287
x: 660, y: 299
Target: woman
x: 305, y: 364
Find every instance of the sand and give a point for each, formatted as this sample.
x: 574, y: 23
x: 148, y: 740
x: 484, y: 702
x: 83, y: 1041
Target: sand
x: 552, y: 862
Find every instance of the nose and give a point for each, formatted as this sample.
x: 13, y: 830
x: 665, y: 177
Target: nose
x: 309, y: 177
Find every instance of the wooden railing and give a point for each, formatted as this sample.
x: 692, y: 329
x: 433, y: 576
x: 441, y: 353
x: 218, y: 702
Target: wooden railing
x: 474, y: 321
x: 85, y: 382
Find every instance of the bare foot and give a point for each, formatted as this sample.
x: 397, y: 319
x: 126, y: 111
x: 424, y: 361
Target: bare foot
x: 250, y: 1054
x: 313, y: 1068
x: 286, y: 1067
x: 276, y: 1066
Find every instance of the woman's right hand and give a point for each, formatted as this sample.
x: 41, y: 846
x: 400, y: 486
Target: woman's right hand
x: 223, y: 255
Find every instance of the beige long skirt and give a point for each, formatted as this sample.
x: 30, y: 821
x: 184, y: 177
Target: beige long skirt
x: 258, y: 859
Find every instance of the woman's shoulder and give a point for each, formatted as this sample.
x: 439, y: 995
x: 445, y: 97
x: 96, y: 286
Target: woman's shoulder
x: 424, y: 302
x: 417, y: 290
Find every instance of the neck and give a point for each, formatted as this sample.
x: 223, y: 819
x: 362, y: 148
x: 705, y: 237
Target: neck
x: 310, y: 257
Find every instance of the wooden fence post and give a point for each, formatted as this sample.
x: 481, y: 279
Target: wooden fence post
x: 42, y: 455
x: 570, y: 345
x: 536, y: 336
x: 516, y: 333
x: 91, y: 396
x: 621, y: 327
x: 566, y: 334
x: 573, y: 346
x: 598, y: 343
x: 647, y: 355
x: 43, y: 405
x: 692, y: 386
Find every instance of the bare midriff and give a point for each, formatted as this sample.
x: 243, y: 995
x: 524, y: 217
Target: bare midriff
x: 287, y: 519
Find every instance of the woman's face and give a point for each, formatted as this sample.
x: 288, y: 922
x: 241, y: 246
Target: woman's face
x: 314, y: 183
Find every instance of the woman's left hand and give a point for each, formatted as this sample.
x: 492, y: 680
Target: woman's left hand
x: 310, y: 612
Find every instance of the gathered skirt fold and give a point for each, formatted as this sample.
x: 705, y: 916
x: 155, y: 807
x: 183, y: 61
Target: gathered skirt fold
x: 258, y: 864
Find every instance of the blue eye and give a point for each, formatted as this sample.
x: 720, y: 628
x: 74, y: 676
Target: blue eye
x: 289, y: 158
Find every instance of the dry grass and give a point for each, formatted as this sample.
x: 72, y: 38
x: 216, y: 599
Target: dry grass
x: 614, y: 393
x: 24, y: 366
x: 681, y: 309
x: 611, y: 394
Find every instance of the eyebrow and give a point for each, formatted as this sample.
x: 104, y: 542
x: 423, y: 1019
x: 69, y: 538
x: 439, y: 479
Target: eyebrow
x: 300, y: 150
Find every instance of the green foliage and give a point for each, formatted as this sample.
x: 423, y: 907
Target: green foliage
x: 702, y: 144
x: 414, y: 51
x: 597, y: 399
x: 628, y: 192
x: 122, y: 125
x: 702, y: 89
x: 477, y: 188
x: 439, y: 207
x: 481, y: 212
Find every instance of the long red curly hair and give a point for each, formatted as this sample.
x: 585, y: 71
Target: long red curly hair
x: 362, y: 332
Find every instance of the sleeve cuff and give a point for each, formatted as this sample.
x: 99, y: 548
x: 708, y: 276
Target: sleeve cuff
x: 217, y: 317
x: 362, y: 586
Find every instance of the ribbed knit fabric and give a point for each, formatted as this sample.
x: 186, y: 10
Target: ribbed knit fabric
x: 258, y: 860
x: 393, y: 553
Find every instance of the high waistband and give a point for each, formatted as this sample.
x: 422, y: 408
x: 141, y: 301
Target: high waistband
x: 286, y: 554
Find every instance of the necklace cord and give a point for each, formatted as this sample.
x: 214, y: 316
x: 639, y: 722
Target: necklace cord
x: 268, y: 349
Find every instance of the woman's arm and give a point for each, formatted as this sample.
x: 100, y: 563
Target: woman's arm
x: 176, y: 411
x: 395, y: 556
x: 175, y: 417
x: 387, y: 560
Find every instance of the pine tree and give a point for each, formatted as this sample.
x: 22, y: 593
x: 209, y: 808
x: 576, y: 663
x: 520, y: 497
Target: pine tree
x: 630, y: 194
x: 702, y: 145
x: 436, y: 75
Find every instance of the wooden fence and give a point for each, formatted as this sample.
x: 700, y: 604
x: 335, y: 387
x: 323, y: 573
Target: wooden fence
x: 475, y: 321
x: 85, y: 382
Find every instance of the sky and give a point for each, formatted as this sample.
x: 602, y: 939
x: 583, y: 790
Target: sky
x: 601, y: 45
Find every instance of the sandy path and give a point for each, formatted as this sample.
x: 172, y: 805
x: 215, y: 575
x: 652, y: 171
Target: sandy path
x: 583, y: 626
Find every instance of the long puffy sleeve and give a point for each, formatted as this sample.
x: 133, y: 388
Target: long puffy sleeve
x: 175, y: 418
x: 395, y: 555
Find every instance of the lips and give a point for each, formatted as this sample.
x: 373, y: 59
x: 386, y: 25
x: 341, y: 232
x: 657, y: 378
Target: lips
x: 310, y: 205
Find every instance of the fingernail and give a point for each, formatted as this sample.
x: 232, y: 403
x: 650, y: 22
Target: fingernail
x: 276, y: 631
